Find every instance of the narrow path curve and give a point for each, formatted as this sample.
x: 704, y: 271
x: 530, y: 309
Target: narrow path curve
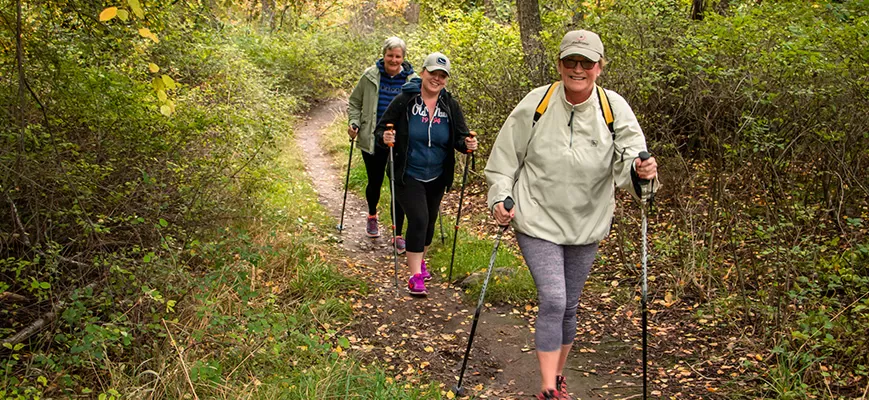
x: 416, y: 337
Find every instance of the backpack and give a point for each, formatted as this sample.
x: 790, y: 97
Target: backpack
x: 605, y: 108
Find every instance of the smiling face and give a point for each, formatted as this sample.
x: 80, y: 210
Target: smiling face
x: 433, y: 82
x: 578, y: 81
x: 392, y: 61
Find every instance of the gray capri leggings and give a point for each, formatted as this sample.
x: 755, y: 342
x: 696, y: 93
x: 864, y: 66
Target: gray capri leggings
x: 559, y: 272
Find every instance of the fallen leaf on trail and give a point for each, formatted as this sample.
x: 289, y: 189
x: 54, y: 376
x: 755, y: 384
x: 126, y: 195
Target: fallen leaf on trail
x: 108, y: 14
x: 429, y: 349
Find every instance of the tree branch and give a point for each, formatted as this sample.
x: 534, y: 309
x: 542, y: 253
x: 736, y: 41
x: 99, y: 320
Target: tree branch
x: 9, y: 297
x: 31, y: 329
x: 42, y: 322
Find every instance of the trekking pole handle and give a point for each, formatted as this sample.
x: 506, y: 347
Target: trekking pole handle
x: 644, y: 155
x: 472, y: 134
x: 389, y: 127
x: 508, y: 205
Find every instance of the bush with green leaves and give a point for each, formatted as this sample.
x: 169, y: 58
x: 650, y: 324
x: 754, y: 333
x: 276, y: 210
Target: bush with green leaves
x: 487, y: 74
x: 756, y: 115
x: 109, y: 202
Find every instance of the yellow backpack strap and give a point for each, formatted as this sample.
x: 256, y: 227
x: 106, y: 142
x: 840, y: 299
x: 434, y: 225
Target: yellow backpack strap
x: 606, y: 110
x: 544, y: 102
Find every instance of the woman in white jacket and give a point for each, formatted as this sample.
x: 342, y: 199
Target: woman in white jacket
x: 560, y: 167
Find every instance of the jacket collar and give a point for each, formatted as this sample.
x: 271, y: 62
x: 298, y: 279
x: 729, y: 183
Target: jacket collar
x: 589, y: 102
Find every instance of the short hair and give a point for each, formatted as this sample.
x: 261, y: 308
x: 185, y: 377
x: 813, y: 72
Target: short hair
x: 603, y: 62
x: 393, y: 43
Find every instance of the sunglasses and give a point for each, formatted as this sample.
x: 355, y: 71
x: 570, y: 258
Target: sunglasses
x: 570, y: 63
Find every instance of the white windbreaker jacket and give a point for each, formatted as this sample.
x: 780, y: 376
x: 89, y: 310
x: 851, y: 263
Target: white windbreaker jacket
x: 561, y: 173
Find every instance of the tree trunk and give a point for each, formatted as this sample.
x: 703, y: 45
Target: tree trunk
x: 19, y: 63
x: 697, y: 10
x: 268, y: 16
x: 529, y: 30
x: 722, y: 7
x: 411, y: 13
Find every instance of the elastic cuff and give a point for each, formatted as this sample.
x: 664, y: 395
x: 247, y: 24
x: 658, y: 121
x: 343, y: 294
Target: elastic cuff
x: 635, y: 180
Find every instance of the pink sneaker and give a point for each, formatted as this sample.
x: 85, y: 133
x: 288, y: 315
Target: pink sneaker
x: 416, y: 286
x: 425, y: 275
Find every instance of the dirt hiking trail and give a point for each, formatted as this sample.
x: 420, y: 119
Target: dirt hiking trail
x: 418, y: 337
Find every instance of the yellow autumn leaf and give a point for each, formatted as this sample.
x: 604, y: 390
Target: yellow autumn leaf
x: 451, y: 395
x: 144, y: 32
x: 153, y: 67
x: 669, y: 299
x: 123, y: 14
x: 108, y: 13
x: 157, y: 84
x: 137, y: 8
x: 168, y: 81
x: 429, y: 349
x: 161, y: 95
x: 166, y: 110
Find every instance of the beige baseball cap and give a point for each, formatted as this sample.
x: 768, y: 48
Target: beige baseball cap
x: 582, y: 42
x: 436, y: 61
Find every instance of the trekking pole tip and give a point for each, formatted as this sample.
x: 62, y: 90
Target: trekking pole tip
x: 458, y: 391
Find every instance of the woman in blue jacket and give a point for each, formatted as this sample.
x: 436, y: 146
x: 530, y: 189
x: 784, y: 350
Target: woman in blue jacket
x: 428, y: 125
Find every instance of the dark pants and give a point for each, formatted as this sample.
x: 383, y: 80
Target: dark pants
x: 376, y: 165
x: 420, y: 201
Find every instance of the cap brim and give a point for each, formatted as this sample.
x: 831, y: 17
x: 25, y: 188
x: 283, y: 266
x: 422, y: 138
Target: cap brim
x: 589, y: 54
x: 436, y: 68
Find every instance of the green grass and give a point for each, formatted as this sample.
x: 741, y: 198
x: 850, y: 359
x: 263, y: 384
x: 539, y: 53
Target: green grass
x: 472, y: 253
x: 338, y: 145
x: 267, y: 317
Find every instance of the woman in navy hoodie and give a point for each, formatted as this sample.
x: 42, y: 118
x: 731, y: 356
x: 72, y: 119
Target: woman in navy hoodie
x: 428, y: 125
x: 378, y: 85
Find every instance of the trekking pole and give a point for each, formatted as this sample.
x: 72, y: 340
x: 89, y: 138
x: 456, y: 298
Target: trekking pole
x: 392, y: 208
x: 441, y: 221
x: 347, y: 181
x: 644, y: 155
x: 459, y: 213
x: 458, y: 389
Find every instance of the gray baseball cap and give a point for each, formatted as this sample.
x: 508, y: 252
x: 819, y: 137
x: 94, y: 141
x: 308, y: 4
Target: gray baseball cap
x: 584, y: 43
x: 436, y: 61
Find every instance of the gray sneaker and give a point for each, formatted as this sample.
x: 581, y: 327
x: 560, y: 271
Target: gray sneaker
x: 400, y: 245
x: 371, y: 227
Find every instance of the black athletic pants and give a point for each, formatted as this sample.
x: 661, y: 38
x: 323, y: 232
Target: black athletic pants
x: 376, y: 165
x: 420, y: 201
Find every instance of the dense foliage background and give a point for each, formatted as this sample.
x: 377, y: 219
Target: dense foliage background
x: 136, y: 141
